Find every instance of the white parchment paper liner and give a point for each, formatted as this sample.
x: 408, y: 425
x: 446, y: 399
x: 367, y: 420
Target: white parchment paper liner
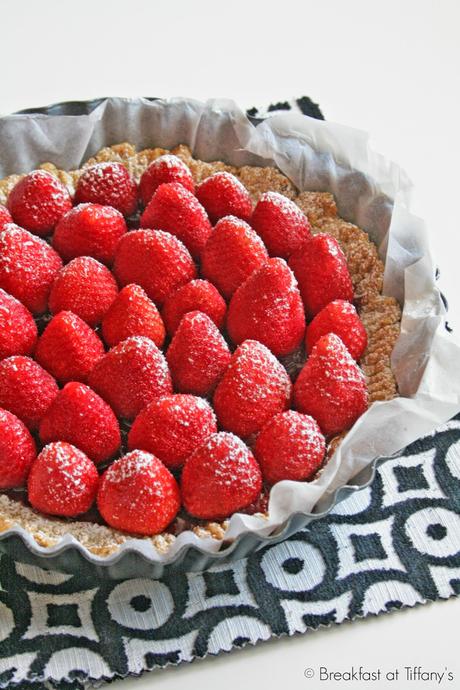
x: 370, y: 191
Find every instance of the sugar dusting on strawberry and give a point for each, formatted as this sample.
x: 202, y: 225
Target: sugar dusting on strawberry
x: 26, y: 389
x: 17, y: 451
x: 268, y: 307
x: 89, y: 230
x: 222, y: 194
x: 80, y: 417
x: 28, y: 266
x: 176, y: 210
x: 231, y: 254
x: 290, y: 446
x: 132, y: 313
x: 331, y: 387
x: 172, y: 427
x: 131, y: 375
x: 341, y: 318
x: 321, y: 270
x: 253, y: 389
x: 138, y: 494
x: 164, y: 169
x: 281, y: 224
x: 198, y: 355
x: 155, y: 260
x: 62, y: 481
x: 38, y: 201
x: 220, y: 478
x: 68, y: 348
x: 18, y: 331
x: 85, y: 287
x: 198, y: 295
x: 110, y: 184
x: 5, y: 217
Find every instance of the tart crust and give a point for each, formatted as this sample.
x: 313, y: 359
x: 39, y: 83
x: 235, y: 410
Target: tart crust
x: 380, y: 315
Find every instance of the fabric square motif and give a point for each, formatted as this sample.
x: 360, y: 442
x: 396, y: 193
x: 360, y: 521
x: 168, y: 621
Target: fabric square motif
x: 410, y: 478
x: 220, y: 582
x: 63, y: 614
x: 367, y: 546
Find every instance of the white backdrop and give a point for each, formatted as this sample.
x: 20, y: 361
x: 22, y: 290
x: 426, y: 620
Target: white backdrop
x: 390, y: 68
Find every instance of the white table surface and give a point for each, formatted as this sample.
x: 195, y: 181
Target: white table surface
x: 390, y: 68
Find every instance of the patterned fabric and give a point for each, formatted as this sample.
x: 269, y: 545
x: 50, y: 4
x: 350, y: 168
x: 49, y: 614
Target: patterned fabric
x: 395, y: 543
x: 303, y: 105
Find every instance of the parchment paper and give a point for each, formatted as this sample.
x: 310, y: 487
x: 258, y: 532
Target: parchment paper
x: 370, y: 191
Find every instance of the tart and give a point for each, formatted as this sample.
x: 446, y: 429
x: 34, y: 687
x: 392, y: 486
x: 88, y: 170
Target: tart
x: 239, y: 320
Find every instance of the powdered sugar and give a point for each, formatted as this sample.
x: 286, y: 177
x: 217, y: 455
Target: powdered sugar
x: 280, y: 201
x: 227, y: 179
x: 254, y: 388
x: 62, y: 481
x: 168, y: 160
x: 28, y: 266
x: 155, y: 260
x: 131, y: 375
x: 108, y: 183
x: 131, y: 465
x: 220, y: 477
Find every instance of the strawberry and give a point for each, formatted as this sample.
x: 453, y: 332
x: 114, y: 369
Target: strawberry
x: 290, y: 446
x: 155, y: 260
x: 80, y: 417
x: 132, y: 313
x: 26, y: 389
x: 131, y: 375
x: 17, y: 451
x: 138, y: 494
x: 68, y: 348
x: 220, y: 478
x: 5, y: 217
x: 108, y: 184
x: 167, y: 168
x: 176, y: 210
x: 321, y: 269
x: 338, y: 317
x: 172, y: 427
x: 331, y: 387
x: 18, y: 331
x: 62, y: 481
x: 38, y: 201
x: 222, y: 194
x: 280, y: 223
x: 231, y: 254
x: 198, y: 355
x: 253, y: 389
x: 198, y: 295
x: 84, y: 287
x: 28, y: 266
x: 268, y: 307
x: 89, y: 230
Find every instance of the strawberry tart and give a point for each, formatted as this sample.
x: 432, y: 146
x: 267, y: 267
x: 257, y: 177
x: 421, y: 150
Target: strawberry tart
x: 176, y: 337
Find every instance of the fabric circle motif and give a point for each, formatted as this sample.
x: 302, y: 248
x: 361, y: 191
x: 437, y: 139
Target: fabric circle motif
x: 293, y: 565
x: 434, y: 531
x: 140, y: 604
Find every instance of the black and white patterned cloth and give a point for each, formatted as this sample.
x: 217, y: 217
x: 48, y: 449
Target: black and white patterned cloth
x: 393, y: 544
x: 303, y: 105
